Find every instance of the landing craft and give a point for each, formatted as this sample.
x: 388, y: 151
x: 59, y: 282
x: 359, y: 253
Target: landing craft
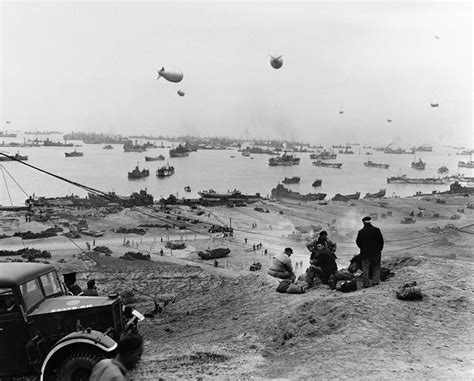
x: 172, y: 76
x: 434, y: 104
x: 180, y: 93
x: 276, y: 62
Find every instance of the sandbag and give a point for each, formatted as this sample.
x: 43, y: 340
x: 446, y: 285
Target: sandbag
x: 283, y: 286
x: 409, y: 291
x: 385, y: 273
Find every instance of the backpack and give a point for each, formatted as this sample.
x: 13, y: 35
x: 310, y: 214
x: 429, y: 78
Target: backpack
x: 346, y: 285
x: 409, y: 291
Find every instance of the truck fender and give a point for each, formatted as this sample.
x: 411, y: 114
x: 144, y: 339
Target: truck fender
x: 89, y: 337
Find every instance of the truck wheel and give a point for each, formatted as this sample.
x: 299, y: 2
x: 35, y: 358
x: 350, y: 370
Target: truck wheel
x: 78, y: 367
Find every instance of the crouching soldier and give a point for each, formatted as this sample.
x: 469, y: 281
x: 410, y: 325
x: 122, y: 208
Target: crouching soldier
x: 322, y: 265
x: 281, y: 266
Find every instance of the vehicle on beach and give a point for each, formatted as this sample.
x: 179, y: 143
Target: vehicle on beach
x: 370, y: 163
x: 15, y: 157
x: 317, y: 183
x: 48, y: 334
x: 136, y: 173
x: 283, y: 160
x: 154, y: 158
x: 291, y: 180
x: 165, y: 171
x: 108, y: 146
x: 214, y: 253
x: 73, y: 154
x: 320, y: 163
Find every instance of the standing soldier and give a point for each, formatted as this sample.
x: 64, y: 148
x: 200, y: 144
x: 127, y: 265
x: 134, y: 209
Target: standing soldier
x: 370, y: 242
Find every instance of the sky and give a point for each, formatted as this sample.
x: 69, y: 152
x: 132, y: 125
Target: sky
x: 92, y: 66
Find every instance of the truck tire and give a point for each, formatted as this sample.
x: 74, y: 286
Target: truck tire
x: 78, y: 366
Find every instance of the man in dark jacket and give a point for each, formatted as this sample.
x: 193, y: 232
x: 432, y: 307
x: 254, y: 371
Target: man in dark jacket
x: 322, y: 265
x: 370, y: 242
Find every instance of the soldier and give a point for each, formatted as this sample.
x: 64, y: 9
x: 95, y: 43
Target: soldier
x: 91, y: 289
x: 70, y: 282
x: 370, y: 242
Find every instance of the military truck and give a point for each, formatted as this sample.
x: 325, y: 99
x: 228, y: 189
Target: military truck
x: 47, y: 334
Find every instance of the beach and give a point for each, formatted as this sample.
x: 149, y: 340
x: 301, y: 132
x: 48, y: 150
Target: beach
x: 227, y: 322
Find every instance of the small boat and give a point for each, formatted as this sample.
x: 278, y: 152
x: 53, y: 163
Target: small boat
x: 214, y: 253
x: 73, y: 154
x: 379, y: 194
x: 16, y: 157
x: 317, y: 183
x: 164, y: 171
x: 320, y: 163
x: 420, y: 164
x: 347, y: 197
x: 443, y: 169
x: 283, y: 160
x: 291, y: 180
x: 154, y: 158
x: 137, y: 174
x: 187, y: 188
x: 108, y: 146
x: 370, y: 163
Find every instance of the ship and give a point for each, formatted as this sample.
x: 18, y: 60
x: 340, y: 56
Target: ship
x: 466, y: 164
x: 7, y: 135
x: 16, y: 157
x: 443, y: 169
x: 317, y: 183
x: 280, y: 192
x: 179, y: 151
x: 50, y: 143
x: 291, y: 180
x: 420, y: 164
x: 138, y: 174
x: 324, y: 155
x: 214, y: 253
x: 403, y: 179
x: 346, y: 151
x: 154, y: 158
x: 370, y: 163
x: 73, y: 154
x: 283, y: 160
x: 165, y: 171
x: 379, y: 194
x: 320, y: 163
x: 129, y: 146
x: 346, y: 197
x: 397, y: 151
x: 423, y: 148
x: 187, y: 188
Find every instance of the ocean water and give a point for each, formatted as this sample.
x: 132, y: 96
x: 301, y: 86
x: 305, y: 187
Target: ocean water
x: 106, y: 170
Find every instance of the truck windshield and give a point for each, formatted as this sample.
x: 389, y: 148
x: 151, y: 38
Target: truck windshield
x: 50, y: 283
x: 32, y: 294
